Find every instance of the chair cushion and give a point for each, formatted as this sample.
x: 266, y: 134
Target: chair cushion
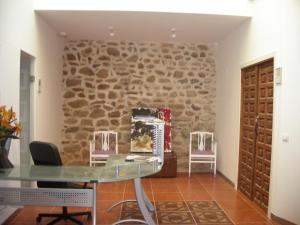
x: 198, y: 152
x: 102, y: 152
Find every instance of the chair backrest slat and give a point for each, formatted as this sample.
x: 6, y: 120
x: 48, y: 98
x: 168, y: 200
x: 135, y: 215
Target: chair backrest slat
x: 106, y: 140
x: 201, y: 142
x: 205, y: 140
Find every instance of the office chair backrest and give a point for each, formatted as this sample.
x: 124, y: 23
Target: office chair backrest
x: 46, y: 154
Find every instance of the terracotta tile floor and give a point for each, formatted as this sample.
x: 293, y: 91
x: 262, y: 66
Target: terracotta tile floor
x: 198, y: 187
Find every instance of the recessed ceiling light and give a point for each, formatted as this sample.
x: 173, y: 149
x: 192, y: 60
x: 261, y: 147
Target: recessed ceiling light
x: 173, y: 35
x: 111, y: 31
x: 62, y: 34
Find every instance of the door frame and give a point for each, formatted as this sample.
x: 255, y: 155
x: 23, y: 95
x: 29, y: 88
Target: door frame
x: 32, y: 94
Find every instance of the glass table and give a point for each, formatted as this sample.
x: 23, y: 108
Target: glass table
x: 116, y: 169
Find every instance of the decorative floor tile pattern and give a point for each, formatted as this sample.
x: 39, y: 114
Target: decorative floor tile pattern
x: 171, y: 206
x: 130, y: 206
x: 211, y: 217
x: 175, y: 218
x: 203, y: 205
x: 130, y: 210
x: 181, y: 213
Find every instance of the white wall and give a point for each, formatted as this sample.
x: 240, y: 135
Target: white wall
x: 250, y: 41
x: 272, y: 31
x: 20, y: 30
x: 287, y: 202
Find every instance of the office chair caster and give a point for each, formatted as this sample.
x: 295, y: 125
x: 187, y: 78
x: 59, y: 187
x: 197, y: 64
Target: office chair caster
x: 38, y: 219
x: 89, y: 217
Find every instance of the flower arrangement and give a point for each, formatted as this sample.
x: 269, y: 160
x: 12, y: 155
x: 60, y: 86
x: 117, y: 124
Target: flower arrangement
x: 9, y: 126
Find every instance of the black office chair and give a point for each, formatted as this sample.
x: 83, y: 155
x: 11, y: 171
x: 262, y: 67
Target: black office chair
x: 47, y: 154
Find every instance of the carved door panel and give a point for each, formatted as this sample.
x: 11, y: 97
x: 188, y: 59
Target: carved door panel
x: 264, y: 134
x: 247, y: 135
x: 256, y: 132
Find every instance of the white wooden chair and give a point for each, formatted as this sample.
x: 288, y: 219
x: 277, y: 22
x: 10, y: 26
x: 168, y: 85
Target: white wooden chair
x: 104, y: 144
x: 202, y: 149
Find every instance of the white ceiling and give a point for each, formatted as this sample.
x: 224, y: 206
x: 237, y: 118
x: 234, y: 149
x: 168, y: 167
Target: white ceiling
x: 141, y: 26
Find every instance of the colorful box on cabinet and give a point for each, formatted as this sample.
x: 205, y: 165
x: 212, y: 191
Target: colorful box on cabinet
x: 144, y: 120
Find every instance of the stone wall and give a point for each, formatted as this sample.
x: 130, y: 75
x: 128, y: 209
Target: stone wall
x: 102, y: 81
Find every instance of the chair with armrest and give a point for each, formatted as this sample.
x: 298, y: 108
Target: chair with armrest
x: 47, y: 154
x: 202, y: 149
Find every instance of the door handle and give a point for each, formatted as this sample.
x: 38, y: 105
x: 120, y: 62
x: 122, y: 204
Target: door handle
x: 256, y: 124
x: 256, y: 119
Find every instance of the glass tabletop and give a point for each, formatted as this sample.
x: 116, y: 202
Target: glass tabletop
x: 116, y: 169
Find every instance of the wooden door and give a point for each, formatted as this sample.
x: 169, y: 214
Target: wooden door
x: 256, y: 132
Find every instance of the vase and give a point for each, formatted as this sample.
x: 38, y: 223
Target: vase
x: 4, y: 150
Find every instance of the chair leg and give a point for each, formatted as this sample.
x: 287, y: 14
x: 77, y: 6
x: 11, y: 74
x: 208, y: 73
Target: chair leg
x: 189, y: 168
x: 215, y: 168
x: 64, y: 216
x: 81, y: 214
x: 55, y: 221
x: 58, y: 216
x: 74, y: 220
